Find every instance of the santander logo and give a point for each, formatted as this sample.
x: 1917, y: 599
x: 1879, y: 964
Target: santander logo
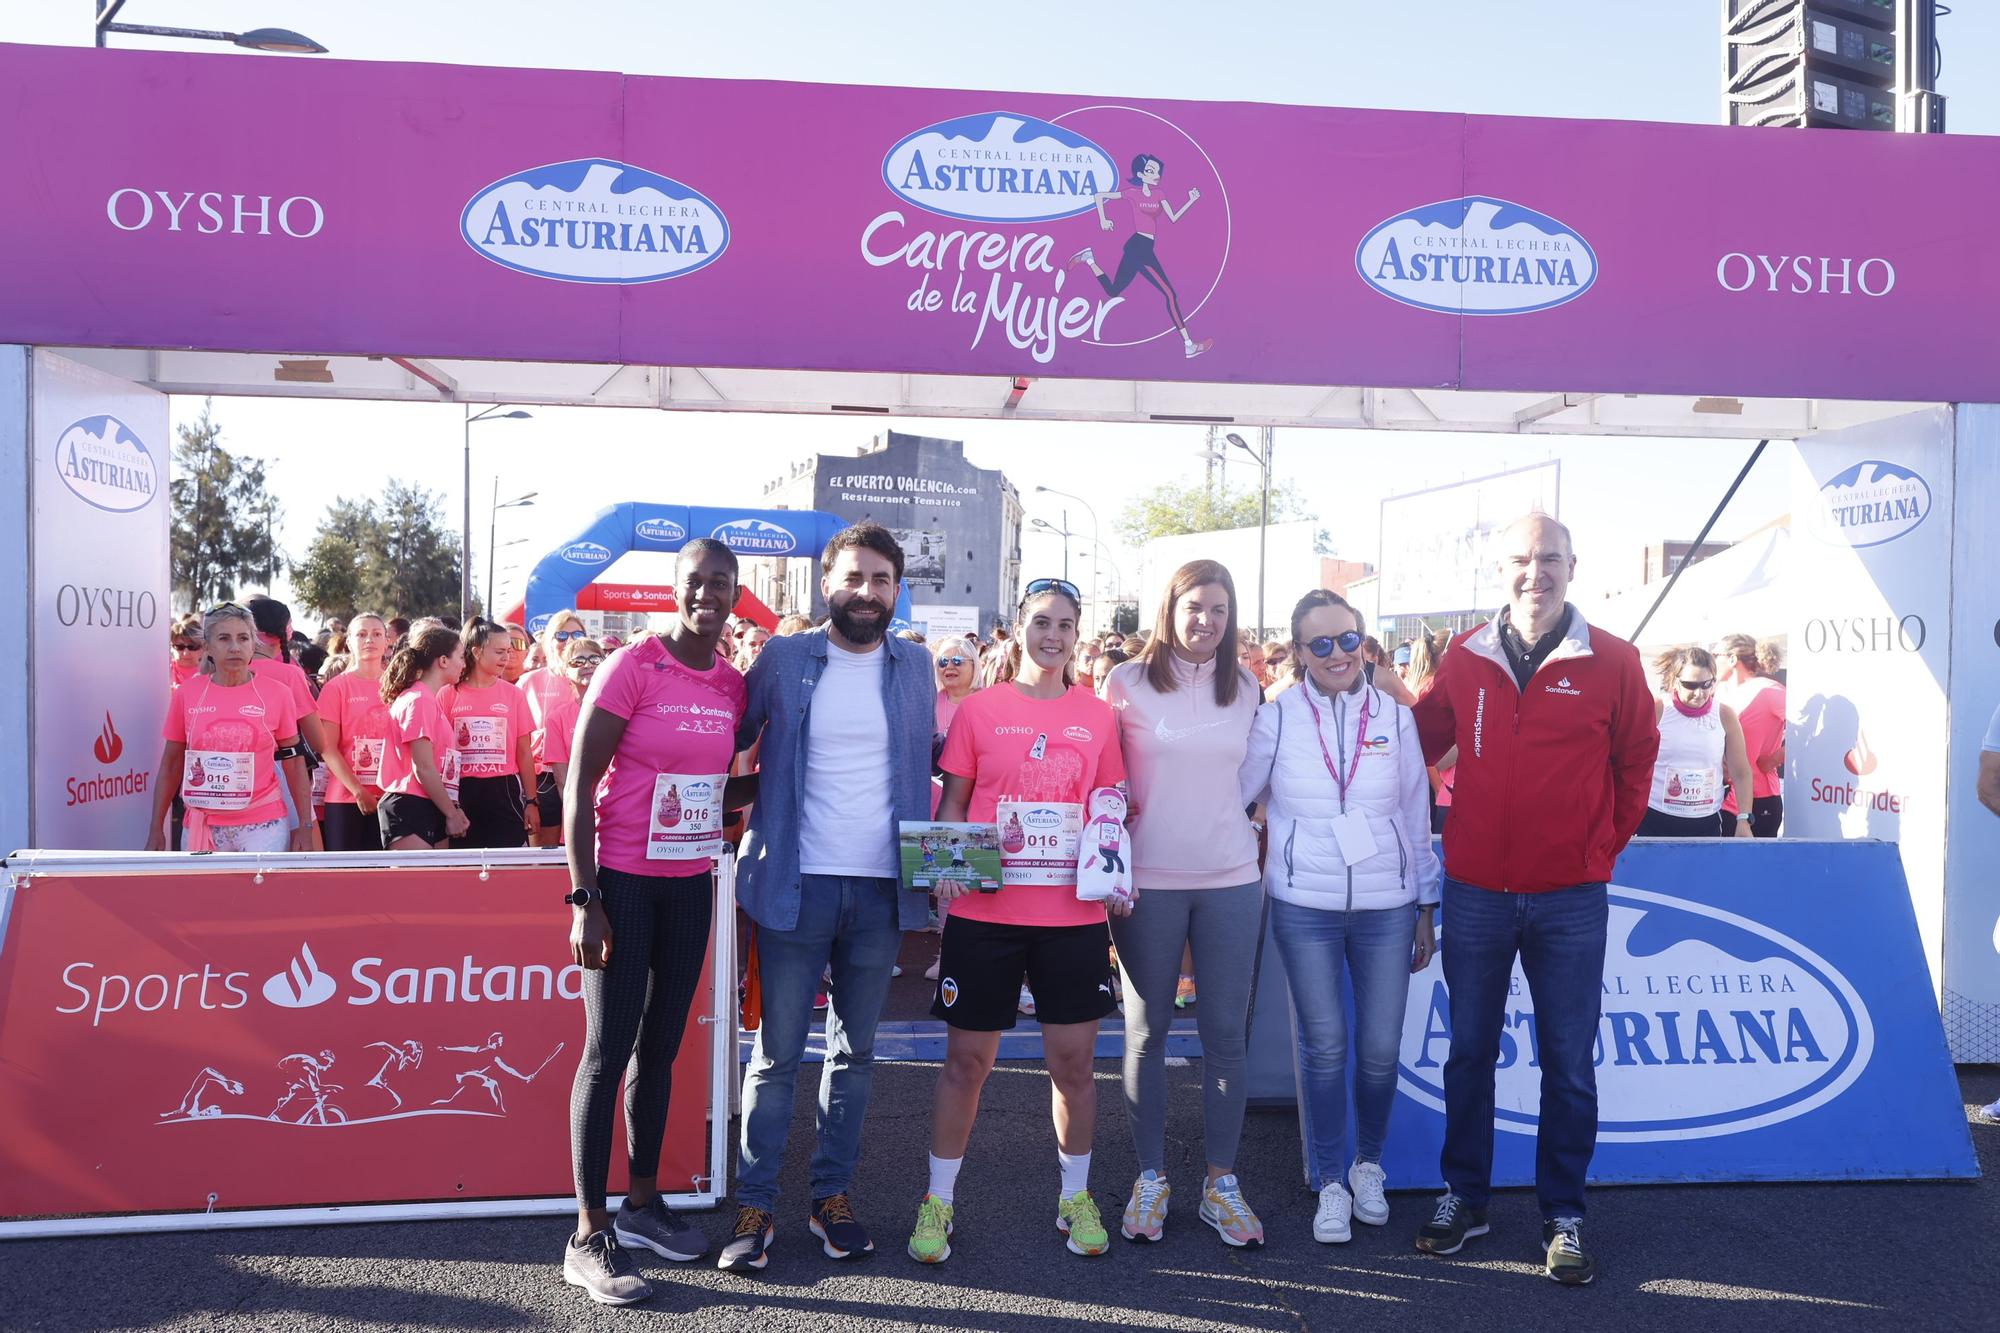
x: 1861, y: 760
x: 109, y: 744
x: 301, y: 985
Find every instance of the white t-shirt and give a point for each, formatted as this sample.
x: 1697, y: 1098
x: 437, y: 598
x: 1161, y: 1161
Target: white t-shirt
x: 1993, y: 733
x: 845, y: 822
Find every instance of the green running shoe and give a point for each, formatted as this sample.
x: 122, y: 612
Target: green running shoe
x: 930, y: 1243
x: 1077, y: 1218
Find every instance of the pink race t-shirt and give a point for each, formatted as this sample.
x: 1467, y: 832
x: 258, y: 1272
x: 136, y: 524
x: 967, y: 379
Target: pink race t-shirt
x: 679, y: 723
x: 417, y: 715
x: 354, y: 704
x: 232, y: 734
x: 1019, y: 749
x: 487, y: 723
x: 558, y: 733
x: 1760, y: 708
x: 291, y: 677
x: 548, y: 692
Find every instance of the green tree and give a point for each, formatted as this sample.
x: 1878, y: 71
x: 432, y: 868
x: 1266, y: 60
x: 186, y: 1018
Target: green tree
x: 1177, y: 508
x: 223, y: 518
x: 328, y: 580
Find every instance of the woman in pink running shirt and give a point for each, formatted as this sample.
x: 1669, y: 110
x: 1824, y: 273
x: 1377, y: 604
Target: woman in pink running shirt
x: 495, y: 737
x: 549, y: 689
x: 231, y: 742
x: 1140, y: 259
x: 419, y: 806
x: 355, y: 721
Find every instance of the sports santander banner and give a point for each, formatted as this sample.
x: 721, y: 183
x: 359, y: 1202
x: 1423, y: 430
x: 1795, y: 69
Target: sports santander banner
x: 194, y: 1039
x: 443, y: 211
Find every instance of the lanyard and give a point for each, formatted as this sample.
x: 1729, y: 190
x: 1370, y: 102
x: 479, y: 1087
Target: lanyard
x: 1360, y: 735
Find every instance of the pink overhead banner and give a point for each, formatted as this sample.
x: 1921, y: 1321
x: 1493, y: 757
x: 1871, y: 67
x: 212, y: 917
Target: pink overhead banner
x: 223, y: 203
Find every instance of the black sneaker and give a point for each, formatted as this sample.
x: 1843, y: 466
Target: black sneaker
x: 749, y: 1242
x: 604, y: 1271
x: 1565, y: 1260
x: 840, y: 1235
x: 1454, y: 1223
x: 654, y: 1227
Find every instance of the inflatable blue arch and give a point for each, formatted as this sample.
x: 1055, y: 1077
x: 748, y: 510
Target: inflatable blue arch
x: 575, y: 564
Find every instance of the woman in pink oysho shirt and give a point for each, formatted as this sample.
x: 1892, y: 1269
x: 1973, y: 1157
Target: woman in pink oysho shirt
x: 556, y: 738
x: 419, y: 806
x: 231, y: 742
x: 495, y: 738
x: 354, y: 719
x: 1024, y: 756
x: 548, y: 689
x: 647, y: 786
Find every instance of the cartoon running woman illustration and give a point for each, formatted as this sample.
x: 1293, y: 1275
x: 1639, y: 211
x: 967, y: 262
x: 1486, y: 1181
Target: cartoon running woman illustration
x: 1139, y: 258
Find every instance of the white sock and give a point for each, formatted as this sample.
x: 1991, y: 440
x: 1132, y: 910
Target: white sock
x: 1075, y: 1172
x: 944, y: 1176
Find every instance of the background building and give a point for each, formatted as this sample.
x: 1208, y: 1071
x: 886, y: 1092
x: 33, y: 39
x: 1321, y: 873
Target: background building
x: 959, y: 526
x: 1664, y: 557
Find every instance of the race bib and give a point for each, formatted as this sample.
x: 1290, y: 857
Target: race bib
x: 217, y: 779
x: 319, y: 779
x: 448, y: 772
x: 1039, y: 841
x: 366, y: 756
x: 686, y: 823
x: 1695, y: 788
x: 482, y: 741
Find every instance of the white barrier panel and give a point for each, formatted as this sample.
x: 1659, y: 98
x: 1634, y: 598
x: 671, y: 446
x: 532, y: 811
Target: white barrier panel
x: 1972, y: 856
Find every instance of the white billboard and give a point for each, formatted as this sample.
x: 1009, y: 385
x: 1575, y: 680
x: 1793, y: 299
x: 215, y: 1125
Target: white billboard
x: 100, y: 457
x: 1437, y: 545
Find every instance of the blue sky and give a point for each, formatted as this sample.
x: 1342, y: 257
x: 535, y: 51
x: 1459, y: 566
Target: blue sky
x: 1620, y: 59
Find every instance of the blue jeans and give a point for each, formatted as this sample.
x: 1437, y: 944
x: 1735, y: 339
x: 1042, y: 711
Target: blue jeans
x: 1560, y: 939
x: 1321, y: 949
x: 849, y: 922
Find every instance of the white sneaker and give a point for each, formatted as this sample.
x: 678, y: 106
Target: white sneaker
x: 1370, y: 1204
x: 1330, y: 1223
x: 1991, y: 1112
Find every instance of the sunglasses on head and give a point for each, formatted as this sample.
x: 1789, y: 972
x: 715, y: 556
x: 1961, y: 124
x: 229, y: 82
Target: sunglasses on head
x: 951, y: 661
x: 226, y: 608
x: 565, y: 635
x: 1696, y: 686
x: 1036, y: 587
x: 1323, y: 645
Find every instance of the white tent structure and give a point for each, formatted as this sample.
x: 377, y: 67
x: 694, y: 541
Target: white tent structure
x: 1745, y: 589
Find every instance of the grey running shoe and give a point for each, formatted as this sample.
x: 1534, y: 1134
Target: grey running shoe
x: 1566, y: 1260
x: 654, y: 1227
x: 604, y: 1271
x: 1454, y: 1223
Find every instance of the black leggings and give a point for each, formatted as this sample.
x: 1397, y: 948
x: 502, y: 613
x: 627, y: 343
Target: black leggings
x: 636, y: 1008
x: 1140, y: 260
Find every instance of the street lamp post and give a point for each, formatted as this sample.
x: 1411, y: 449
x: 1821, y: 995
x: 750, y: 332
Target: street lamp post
x: 1062, y: 532
x: 465, y: 529
x: 1093, y: 537
x: 282, y: 40
x: 492, y: 524
x: 1263, y: 507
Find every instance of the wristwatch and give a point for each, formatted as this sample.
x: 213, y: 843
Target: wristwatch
x: 581, y: 897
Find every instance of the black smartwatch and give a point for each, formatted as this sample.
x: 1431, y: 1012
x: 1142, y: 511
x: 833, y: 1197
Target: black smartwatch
x: 581, y: 897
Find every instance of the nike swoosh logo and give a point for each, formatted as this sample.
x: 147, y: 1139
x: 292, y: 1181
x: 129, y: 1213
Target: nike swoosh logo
x: 1170, y: 735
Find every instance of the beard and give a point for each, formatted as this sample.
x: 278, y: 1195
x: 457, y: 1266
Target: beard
x: 860, y: 632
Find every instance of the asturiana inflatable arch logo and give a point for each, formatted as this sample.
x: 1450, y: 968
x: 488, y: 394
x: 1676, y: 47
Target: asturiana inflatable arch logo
x: 1713, y: 1024
x: 105, y: 464
x: 999, y: 166
x: 1476, y: 256
x: 659, y: 530
x: 586, y: 553
x: 753, y: 536
x: 595, y: 220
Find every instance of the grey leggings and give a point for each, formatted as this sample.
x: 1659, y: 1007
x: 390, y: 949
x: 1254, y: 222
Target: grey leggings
x: 1224, y: 926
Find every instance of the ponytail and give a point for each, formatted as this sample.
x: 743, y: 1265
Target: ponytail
x: 425, y: 650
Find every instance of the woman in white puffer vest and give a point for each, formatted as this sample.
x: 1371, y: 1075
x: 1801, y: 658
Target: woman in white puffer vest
x: 1353, y: 884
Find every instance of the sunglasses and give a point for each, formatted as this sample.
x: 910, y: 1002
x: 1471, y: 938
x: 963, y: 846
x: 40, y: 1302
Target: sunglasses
x: 188, y: 647
x: 1697, y: 686
x: 226, y: 608
x: 565, y: 635
x: 588, y: 659
x: 951, y: 661
x: 1323, y: 646
x: 1036, y: 587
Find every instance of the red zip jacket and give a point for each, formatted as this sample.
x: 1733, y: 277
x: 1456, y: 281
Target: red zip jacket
x: 1551, y: 781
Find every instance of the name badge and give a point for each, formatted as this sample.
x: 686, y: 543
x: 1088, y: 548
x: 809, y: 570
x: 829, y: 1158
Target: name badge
x: 1355, y: 839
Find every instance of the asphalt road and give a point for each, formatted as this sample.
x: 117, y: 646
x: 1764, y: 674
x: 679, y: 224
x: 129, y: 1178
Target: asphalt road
x: 1863, y: 1256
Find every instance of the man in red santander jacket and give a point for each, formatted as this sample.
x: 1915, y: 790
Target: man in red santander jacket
x: 1556, y: 736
